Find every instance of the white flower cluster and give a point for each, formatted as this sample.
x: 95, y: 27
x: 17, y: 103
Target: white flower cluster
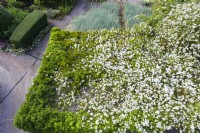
x: 144, y: 88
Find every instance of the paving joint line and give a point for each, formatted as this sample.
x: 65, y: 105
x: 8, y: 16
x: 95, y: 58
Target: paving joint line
x: 7, y: 120
x: 18, y: 82
x: 33, y: 56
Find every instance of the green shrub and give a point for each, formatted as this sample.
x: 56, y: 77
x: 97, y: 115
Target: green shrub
x: 35, y: 7
x: 97, y: 0
x: 28, y: 29
x: 9, y: 31
x: 16, y: 4
x: 65, y: 6
x: 160, y: 9
x: 19, y: 14
x: 52, y: 13
x: 55, y: 3
x: 6, y: 20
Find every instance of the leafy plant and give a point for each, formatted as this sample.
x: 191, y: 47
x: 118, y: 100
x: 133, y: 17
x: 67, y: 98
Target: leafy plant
x: 16, y: 4
x: 19, y: 14
x: 6, y: 20
x: 160, y: 9
x: 51, y: 13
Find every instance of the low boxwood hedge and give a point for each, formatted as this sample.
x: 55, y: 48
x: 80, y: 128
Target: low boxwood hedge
x: 26, y: 31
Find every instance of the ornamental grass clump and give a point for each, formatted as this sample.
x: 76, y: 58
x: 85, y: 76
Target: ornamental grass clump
x: 103, y: 17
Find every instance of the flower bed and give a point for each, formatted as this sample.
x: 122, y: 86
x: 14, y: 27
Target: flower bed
x: 143, y: 79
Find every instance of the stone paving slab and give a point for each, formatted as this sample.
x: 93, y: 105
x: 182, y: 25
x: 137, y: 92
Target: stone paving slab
x: 39, y: 50
x: 12, y: 103
x: 12, y: 69
x: 8, y: 125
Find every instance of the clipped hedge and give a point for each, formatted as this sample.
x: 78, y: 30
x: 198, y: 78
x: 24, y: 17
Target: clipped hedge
x: 6, y: 20
x: 26, y: 31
